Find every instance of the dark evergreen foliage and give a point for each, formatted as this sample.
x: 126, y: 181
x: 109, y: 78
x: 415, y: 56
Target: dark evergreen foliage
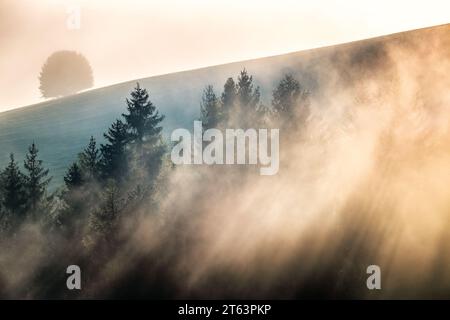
x: 13, y: 182
x: 142, y: 119
x: 144, y: 133
x: 228, y: 98
x: 289, y: 100
x: 90, y: 160
x: 210, y: 108
x: 36, y: 178
x: 103, y: 220
x: 102, y: 187
x: 248, y: 96
x: 73, y: 178
x: 114, y: 160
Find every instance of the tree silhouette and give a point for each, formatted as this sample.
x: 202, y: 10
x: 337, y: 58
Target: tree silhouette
x: 142, y: 119
x: 36, y: 180
x: 104, y: 220
x: 77, y: 199
x: 247, y: 111
x: 210, y: 108
x: 90, y: 160
x: 73, y: 178
x: 228, y: 98
x: 13, y: 188
x: 290, y: 100
x: 144, y: 131
x: 246, y: 94
x: 114, y: 157
x: 64, y: 73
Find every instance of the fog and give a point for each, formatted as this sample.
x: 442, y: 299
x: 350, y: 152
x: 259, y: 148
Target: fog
x: 126, y: 40
x: 362, y: 181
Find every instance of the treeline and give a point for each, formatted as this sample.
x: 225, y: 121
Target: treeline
x: 108, y: 181
x: 23, y: 195
x: 240, y: 104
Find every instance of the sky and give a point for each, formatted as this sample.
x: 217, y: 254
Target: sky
x: 128, y: 39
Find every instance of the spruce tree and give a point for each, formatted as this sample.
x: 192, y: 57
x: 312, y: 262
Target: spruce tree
x: 77, y: 198
x: 142, y: 119
x: 228, y: 98
x: 13, y: 180
x: 114, y: 158
x: 144, y: 133
x: 36, y: 180
x: 104, y: 219
x: 90, y: 160
x: 286, y: 94
x: 246, y: 94
x: 73, y: 178
x: 210, y: 108
x: 289, y: 99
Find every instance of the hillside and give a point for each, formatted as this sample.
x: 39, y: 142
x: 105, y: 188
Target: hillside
x: 62, y: 127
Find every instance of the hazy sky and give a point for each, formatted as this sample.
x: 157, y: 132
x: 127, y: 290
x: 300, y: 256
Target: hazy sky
x: 130, y: 39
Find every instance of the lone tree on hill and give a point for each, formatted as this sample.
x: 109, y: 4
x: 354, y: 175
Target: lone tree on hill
x: 64, y: 73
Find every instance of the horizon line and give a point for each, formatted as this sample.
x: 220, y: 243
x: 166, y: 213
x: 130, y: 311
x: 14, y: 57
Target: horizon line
x: 19, y: 108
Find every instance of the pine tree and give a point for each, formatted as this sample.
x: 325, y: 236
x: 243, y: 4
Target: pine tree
x: 111, y: 202
x: 36, y: 180
x: 79, y: 197
x: 142, y: 118
x: 144, y: 132
x: 73, y: 178
x: 247, y: 96
x: 210, y: 108
x: 228, y: 98
x: 114, y: 158
x: 287, y: 96
x: 13, y: 188
x: 246, y: 111
x: 104, y: 220
x: 90, y: 160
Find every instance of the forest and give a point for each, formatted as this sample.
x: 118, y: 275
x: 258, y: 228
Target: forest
x: 364, y: 163
x: 113, y: 184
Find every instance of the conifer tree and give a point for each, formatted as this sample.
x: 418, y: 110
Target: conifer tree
x: 228, y: 98
x: 246, y: 94
x: 104, y: 219
x: 13, y: 188
x: 76, y: 197
x: 144, y: 133
x: 210, y: 108
x: 114, y: 158
x: 73, y: 178
x: 36, y: 180
x: 90, y: 160
x: 142, y: 119
x: 80, y: 197
x: 246, y: 111
x: 287, y: 95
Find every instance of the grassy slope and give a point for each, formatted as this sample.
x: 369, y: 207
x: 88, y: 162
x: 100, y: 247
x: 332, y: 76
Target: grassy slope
x: 62, y: 127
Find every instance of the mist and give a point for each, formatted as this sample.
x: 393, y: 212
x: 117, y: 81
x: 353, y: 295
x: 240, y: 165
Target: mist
x: 135, y: 39
x: 363, y: 180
